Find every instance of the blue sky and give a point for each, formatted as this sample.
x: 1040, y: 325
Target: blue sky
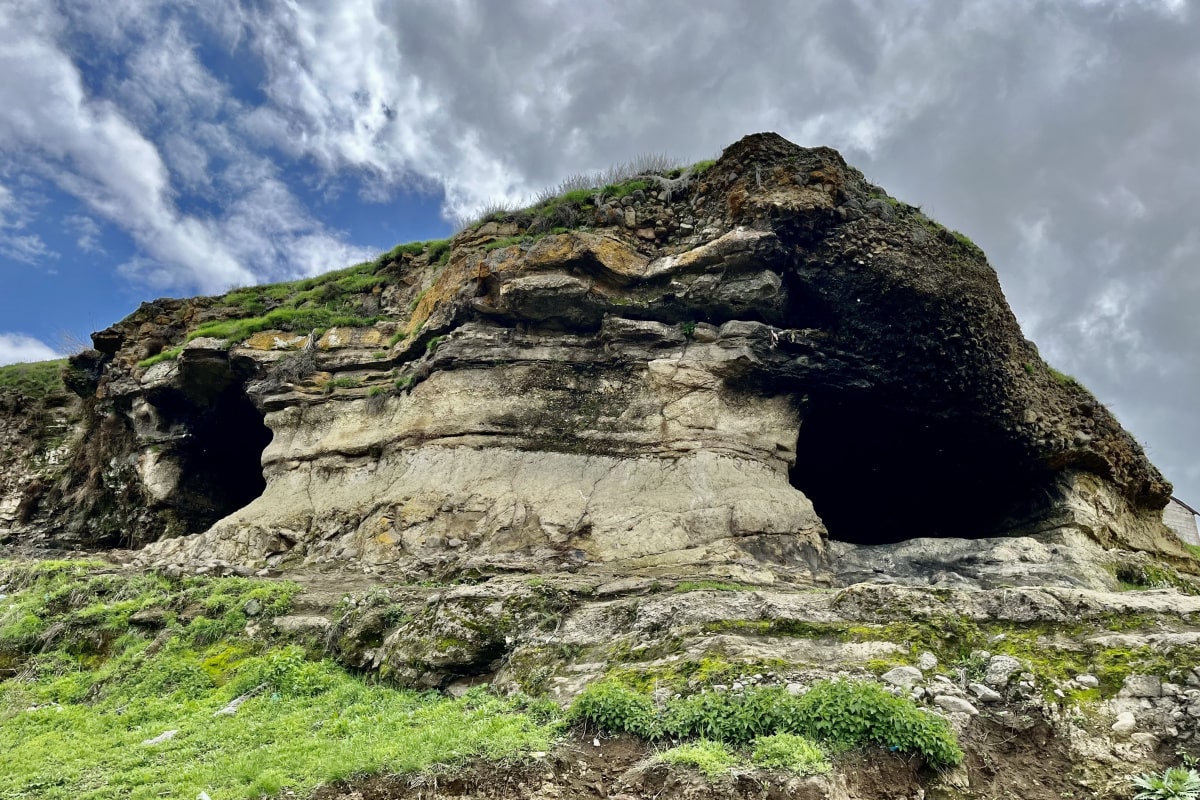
x: 154, y: 148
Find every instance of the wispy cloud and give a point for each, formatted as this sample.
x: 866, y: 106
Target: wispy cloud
x: 16, y: 242
x: 87, y: 232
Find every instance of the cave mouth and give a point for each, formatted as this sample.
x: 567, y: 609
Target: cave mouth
x: 221, y: 460
x: 878, y: 475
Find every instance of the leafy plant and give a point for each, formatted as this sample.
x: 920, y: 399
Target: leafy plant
x: 714, y: 759
x: 1175, y: 783
x: 791, y: 752
x: 614, y: 707
x: 842, y: 713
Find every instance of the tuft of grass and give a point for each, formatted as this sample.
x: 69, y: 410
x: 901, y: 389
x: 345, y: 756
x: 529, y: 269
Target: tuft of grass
x: 791, y: 752
x: 714, y: 759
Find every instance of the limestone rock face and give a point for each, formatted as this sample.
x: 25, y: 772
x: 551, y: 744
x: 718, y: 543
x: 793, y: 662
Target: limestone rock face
x: 716, y: 373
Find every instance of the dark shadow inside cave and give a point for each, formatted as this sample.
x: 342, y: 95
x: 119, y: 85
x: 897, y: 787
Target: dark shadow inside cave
x: 877, y: 475
x: 220, y: 461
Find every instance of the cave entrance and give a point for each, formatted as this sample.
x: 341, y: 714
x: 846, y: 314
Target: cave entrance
x: 220, y: 459
x: 877, y: 475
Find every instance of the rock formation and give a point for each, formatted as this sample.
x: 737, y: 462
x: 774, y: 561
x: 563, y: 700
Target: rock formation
x: 708, y: 373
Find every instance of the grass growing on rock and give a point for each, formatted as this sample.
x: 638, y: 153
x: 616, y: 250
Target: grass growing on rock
x: 94, y: 664
x: 34, y: 381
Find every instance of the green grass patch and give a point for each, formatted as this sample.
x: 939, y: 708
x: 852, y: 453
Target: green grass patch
x: 35, y: 381
x: 616, y: 191
x: 77, y: 706
x: 714, y: 759
x: 790, y: 752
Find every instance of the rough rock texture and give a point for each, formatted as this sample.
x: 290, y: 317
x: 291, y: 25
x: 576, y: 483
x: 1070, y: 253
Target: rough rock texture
x: 717, y: 380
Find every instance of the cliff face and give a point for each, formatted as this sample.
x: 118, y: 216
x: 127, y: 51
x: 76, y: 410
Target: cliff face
x: 713, y: 372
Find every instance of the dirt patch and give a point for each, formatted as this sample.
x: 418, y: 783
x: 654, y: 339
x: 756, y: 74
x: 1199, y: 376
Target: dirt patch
x: 586, y: 768
x: 1020, y: 758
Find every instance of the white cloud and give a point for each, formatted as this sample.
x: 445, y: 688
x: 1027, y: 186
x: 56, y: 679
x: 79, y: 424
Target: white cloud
x: 105, y: 151
x: 15, y: 242
x: 87, y: 232
x: 17, y: 348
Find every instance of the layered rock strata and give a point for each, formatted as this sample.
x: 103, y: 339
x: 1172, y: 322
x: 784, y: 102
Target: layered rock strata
x: 714, y: 373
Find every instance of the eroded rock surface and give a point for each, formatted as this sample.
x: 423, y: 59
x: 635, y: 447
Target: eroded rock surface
x: 717, y: 379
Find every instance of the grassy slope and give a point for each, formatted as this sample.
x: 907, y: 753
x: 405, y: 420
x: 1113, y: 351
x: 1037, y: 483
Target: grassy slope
x: 84, y: 688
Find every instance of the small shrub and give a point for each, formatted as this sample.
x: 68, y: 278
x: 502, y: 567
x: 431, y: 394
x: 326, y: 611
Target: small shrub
x: 857, y: 712
x: 791, y: 752
x: 618, y: 709
x: 1175, y: 783
x: 713, y: 759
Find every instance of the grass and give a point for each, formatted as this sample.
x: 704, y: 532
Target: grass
x: 712, y: 586
x: 790, y: 752
x: 714, y: 759
x: 317, y: 303
x: 35, y: 381
x: 77, y: 708
x: 782, y: 751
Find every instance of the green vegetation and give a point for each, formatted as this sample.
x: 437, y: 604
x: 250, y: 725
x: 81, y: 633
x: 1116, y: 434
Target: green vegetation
x: 35, y: 381
x: 841, y: 713
x: 317, y: 303
x: 343, y: 382
x: 1063, y: 378
x: 687, y: 328
x: 96, y: 664
x: 1176, y: 783
x: 712, y: 586
x: 791, y: 752
x: 953, y: 639
x: 714, y: 759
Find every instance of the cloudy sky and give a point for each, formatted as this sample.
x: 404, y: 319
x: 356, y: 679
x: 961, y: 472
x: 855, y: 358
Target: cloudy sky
x: 151, y: 148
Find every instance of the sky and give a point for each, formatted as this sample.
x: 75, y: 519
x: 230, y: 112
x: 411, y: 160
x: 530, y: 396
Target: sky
x: 155, y: 149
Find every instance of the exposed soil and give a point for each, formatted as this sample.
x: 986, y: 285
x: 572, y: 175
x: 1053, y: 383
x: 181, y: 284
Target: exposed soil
x: 586, y: 768
x: 1020, y: 761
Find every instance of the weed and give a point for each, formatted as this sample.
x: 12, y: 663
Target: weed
x: 714, y: 759
x: 1175, y: 783
x: 791, y: 752
x: 432, y: 345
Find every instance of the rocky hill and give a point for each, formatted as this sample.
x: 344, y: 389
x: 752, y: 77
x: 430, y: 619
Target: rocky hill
x: 725, y: 431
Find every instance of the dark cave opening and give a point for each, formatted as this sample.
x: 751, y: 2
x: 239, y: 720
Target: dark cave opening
x: 221, y: 460
x: 878, y: 475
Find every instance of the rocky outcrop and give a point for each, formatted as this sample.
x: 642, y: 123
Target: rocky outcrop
x: 715, y: 376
